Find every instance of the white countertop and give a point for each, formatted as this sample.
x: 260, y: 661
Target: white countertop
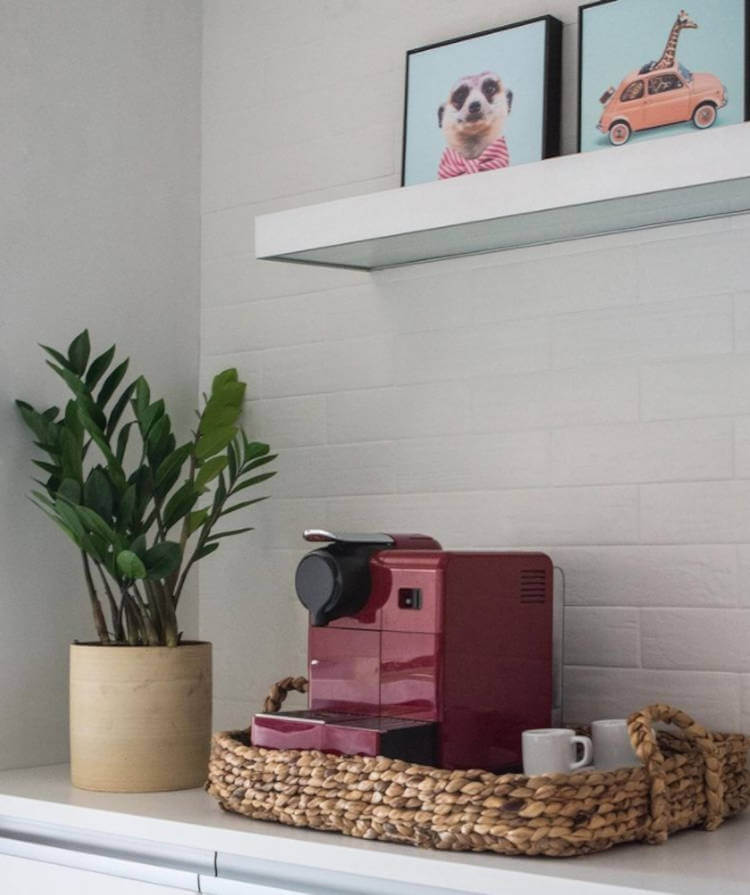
x: 691, y: 863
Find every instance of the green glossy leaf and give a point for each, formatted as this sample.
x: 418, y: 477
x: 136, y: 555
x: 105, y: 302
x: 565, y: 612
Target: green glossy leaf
x: 242, y: 505
x: 227, y: 534
x: 213, y: 442
x: 233, y: 455
x: 254, y: 480
x: 253, y: 449
x: 220, y: 493
x: 169, y: 469
x: 159, y: 441
x: 126, y: 509
x: 52, y: 483
x: 224, y: 406
x: 166, y: 447
x: 217, y: 416
x: 261, y: 461
x: 209, y: 470
x: 130, y: 565
x: 51, y: 468
x: 150, y: 415
x: 138, y: 546
x: 142, y: 397
x: 73, y: 422
x: 59, y: 522
x: 79, y: 352
x: 158, y: 432
x: 44, y: 498
x: 71, y: 518
x: 196, y: 519
x: 163, y: 559
x: 111, y: 383
x: 122, y: 441
x: 73, y: 382
x: 37, y: 422
x: 99, y: 367
x: 179, y: 504
x: 57, y: 355
x: 206, y: 550
x: 144, y: 485
x: 113, y: 464
x: 225, y: 376
x: 117, y: 410
x: 93, y: 522
x: 70, y: 490
x: 71, y: 459
x: 53, y: 449
x: 97, y: 493
x: 231, y: 395
x: 93, y: 410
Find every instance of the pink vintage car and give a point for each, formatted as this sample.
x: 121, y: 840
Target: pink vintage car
x: 663, y: 96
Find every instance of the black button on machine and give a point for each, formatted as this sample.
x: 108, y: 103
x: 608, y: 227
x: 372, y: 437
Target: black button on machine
x: 410, y: 598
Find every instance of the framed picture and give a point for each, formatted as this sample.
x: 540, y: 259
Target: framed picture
x: 482, y: 102
x: 649, y: 69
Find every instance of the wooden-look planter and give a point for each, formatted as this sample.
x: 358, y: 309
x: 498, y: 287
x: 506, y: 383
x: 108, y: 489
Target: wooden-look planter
x: 140, y: 717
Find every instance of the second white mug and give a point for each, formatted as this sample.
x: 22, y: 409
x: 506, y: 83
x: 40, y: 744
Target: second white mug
x: 552, y: 750
x: 612, y: 748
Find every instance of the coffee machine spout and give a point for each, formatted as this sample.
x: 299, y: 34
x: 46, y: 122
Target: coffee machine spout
x: 318, y: 618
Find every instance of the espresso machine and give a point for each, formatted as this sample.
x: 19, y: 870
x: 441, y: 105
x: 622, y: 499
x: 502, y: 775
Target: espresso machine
x: 432, y: 656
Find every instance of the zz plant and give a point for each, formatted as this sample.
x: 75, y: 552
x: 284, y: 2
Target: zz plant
x: 140, y: 527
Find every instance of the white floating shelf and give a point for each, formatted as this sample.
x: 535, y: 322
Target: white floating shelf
x: 646, y: 184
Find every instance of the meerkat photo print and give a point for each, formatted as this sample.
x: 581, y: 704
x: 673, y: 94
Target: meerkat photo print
x: 654, y: 68
x: 483, y: 102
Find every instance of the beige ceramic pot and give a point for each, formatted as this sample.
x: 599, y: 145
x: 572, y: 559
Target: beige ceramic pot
x: 140, y: 716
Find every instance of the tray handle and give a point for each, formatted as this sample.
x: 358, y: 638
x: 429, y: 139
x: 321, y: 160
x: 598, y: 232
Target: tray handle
x: 644, y: 742
x: 278, y: 692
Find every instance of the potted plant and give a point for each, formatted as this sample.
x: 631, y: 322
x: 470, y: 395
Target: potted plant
x: 138, y: 507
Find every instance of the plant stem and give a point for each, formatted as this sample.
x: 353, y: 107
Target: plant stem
x: 163, y: 600
x: 114, y: 609
x: 135, y: 633
x: 203, y: 537
x: 159, y: 521
x: 176, y: 581
x: 149, y: 628
x: 96, y: 606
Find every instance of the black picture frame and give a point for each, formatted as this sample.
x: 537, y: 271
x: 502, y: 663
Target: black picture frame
x: 581, y: 11
x: 552, y: 108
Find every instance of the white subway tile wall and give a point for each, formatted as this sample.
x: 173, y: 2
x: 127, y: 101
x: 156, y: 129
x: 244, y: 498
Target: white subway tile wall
x: 591, y: 399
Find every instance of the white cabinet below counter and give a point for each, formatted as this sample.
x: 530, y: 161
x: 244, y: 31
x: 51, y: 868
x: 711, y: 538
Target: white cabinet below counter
x: 24, y: 876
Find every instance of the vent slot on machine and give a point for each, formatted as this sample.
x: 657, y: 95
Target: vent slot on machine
x: 533, y: 586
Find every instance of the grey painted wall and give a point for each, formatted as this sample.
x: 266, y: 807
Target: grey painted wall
x: 99, y: 227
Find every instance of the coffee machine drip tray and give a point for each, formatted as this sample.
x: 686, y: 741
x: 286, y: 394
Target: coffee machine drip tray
x: 347, y: 734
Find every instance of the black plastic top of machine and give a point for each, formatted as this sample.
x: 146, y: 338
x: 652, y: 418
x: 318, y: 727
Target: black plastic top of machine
x: 334, y: 581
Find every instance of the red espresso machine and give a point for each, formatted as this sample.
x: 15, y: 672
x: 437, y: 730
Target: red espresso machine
x: 433, y: 656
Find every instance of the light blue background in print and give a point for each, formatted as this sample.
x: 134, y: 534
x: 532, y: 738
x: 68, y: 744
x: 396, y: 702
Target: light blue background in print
x: 621, y: 36
x: 517, y: 55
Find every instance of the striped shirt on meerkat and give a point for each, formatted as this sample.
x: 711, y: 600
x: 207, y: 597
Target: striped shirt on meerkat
x: 453, y: 164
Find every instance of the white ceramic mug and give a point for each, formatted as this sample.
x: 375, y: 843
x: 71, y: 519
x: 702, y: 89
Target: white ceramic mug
x: 552, y: 750
x: 612, y: 748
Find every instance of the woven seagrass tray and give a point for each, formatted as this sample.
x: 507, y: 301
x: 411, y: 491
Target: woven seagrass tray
x: 694, y: 778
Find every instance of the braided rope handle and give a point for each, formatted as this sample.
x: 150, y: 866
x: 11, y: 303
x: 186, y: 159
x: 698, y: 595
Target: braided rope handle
x: 278, y: 692
x: 644, y: 742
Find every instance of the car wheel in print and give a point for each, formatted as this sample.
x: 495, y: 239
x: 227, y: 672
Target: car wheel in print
x: 619, y: 133
x: 704, y: 116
